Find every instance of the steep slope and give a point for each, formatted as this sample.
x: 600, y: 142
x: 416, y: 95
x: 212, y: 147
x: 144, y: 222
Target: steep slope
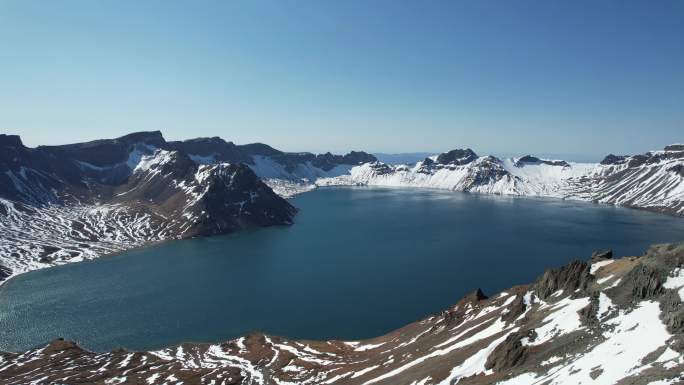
x: 602, y: 322
x: 63, y: 204
x: 654, y: 180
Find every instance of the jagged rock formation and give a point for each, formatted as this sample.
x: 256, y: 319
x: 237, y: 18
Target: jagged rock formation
x: 611, y: 321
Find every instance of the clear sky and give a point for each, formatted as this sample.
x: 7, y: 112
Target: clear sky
x: 561, y: 77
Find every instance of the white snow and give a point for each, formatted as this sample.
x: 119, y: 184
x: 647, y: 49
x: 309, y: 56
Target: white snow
x: 562, y: 320
x: 634, y: 335
x: 597, y: 265
x: 676, y: 281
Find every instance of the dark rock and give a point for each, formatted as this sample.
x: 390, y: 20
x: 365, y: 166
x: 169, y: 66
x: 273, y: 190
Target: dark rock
x: 637, y: 160
x: 476, y: 296
x: 596, y: 372
x: 4, y: 272
x: 529, y: 159
x: 675, y: 147
x: 455, y: 315
x: 259, y: 149
x: 569, y: 278
x: 677, y: 169
x: 515, y: 309
x: 10, y: 141
x: 589, y: 315
x: 510, y: 353
x: 489, y: 170
x: 646, y: 282
x: 426, y: 166
x: 328, y: 161
x: 457, y: 157
x: 601, y: 255
x: 381, y: 168
x: 221, y: 150
x: 259, y: 205
x: 614, y: 159
x: 672, y: 311
x: 106, y: 152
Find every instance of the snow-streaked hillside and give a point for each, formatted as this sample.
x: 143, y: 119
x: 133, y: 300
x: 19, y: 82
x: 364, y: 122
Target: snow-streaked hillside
x: 107, y: 196
x: 653, y: 181
x: 599, y: 322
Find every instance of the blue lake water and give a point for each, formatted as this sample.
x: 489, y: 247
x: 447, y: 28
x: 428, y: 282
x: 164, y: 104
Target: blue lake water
x: 357, y: 263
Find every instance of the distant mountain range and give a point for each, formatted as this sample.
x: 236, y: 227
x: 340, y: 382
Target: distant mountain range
x: 61, y: 204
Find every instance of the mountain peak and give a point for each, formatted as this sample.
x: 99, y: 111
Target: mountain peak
x: 149, y: 137
x: 10, y: 141
x: 457, y: 157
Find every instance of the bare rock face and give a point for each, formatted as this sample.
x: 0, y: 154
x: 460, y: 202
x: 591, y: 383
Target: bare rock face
x: 5, y: 272
x: 601, y: 255
x: 569, y: 278
x: 613, y: 159
x: 509, y: 354
x: 529, y: 159
x: 645, y: 282
x: 515, y: 310
x: 328, y: 161
x: 675, y: 147
x: 457, y: 157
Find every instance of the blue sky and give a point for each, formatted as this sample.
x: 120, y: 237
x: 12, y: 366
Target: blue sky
x: 546, y: 77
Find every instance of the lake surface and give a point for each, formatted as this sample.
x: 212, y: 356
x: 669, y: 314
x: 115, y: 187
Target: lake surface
x: 357, y: 263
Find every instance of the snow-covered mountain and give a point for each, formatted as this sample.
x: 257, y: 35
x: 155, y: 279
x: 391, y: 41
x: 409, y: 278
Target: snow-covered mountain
x: 63, y: 204
x: 653, y: 181
x: 60, y: 204
x: 603, y: 321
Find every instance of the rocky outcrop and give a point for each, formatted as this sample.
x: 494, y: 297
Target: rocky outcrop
x: 572, y: 278
x: 597, y: 256
x: 644, y: 282
x: 457, y: 157
x: 613, y: 159
x: 5, y: 272
x: 508, y: 354
x: 533, y: 160
x: 675, y: 147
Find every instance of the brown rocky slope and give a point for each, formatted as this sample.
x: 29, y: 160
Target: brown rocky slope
x: 600, y: 321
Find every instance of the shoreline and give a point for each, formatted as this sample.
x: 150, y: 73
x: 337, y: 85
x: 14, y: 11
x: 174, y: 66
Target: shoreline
x: 314, y: 187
